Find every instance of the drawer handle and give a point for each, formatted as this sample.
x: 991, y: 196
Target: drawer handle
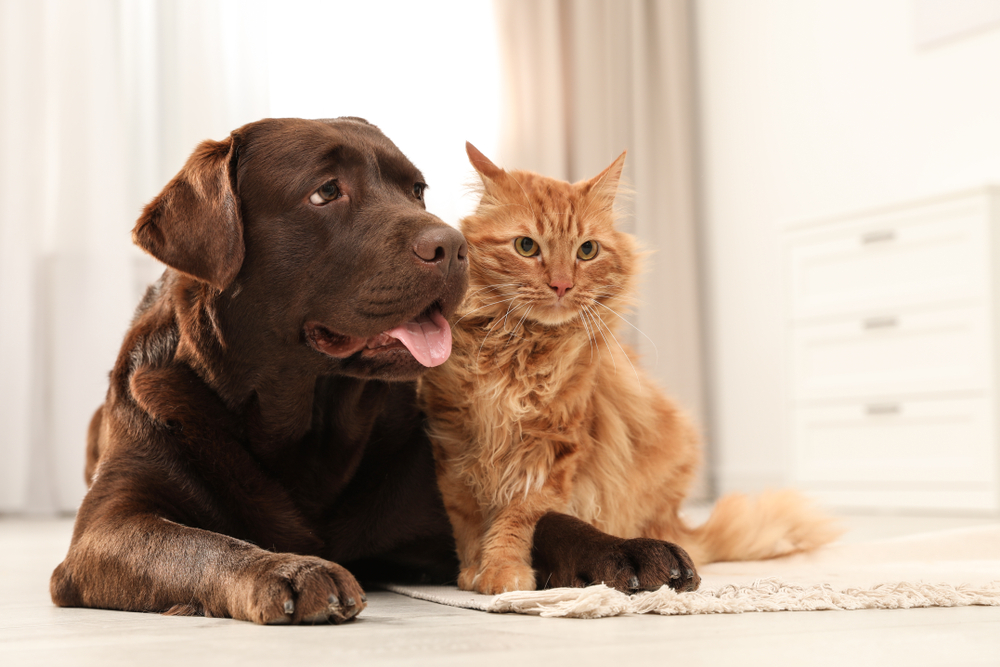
x: 878, y: 236
x: 882, y: 322
x: 882, y: 409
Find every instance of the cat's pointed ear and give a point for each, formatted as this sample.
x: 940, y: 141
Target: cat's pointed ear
x: 482, y: 164
x: 604, y: 187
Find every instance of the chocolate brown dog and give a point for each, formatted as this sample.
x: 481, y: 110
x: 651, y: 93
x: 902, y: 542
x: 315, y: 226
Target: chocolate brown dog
x: 259, y: 408
x: 260, y: 424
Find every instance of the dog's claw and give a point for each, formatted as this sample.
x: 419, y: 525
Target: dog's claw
x: 289, y: 607
x: 633, y: 583
x: 349, y: 602
x: 676, y: 574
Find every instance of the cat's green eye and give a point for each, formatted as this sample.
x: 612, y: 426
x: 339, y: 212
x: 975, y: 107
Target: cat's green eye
x: 526, y: 246
x: 588, y: 250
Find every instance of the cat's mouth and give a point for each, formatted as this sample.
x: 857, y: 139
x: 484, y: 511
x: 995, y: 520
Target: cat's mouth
x: 427, y: 337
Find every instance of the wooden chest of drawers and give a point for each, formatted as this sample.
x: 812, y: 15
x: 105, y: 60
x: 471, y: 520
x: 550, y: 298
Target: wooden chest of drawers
x: 893, y: 318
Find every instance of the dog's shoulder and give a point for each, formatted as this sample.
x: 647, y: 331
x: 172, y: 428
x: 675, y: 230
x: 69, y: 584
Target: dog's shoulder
x: 158, y: 405
x: 150, y: 380
x: 153, y: 334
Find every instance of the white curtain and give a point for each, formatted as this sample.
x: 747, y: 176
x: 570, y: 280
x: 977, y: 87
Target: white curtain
x: 101, y: 103
x: 586, y: 79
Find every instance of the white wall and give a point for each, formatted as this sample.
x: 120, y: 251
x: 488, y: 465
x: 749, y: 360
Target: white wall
x: 428, y: 75
x: 808, y: 108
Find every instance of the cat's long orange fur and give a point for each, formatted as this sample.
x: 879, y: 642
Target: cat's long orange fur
x: 542, y: 408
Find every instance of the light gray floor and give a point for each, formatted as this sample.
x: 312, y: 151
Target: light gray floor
x: 399, y: 630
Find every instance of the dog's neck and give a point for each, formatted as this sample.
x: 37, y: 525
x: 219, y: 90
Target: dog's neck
x: 222, y: 337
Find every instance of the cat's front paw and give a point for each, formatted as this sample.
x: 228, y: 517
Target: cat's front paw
x: 503, y: 577
x: 467, y: 578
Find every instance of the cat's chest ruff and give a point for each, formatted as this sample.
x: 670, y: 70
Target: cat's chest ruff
x: 539, y: 381
x: 532, y: 358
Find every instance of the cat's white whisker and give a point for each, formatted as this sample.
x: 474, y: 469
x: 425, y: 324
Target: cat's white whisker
x: 490, y: 287
x: 597, y: 325
x: 656, y: 351
x: 518, y: 325
x: 597, y: 343
x: 591, y: 339
x: 501, y: 296
x: 492, y: 292
x: 487, y: 336
x: 485, y: 306
x: 615, y: 338
x: 507, y: 314
x: 608, y: 291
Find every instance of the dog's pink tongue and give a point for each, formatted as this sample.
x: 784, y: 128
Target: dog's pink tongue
x: 428, y: 338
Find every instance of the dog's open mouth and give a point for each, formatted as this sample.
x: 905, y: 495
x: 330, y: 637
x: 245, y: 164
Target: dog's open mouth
x: 427, y: 337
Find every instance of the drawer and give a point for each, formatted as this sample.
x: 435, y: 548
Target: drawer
x: 895, y: 352
x: 933, y: 441
x: 920, y: 255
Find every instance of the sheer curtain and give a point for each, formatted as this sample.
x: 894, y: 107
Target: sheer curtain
x: 586, y: 79
x: 101, y: 102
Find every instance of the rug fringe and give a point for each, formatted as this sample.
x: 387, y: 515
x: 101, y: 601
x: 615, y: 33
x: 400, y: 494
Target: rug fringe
x: 762, y: 595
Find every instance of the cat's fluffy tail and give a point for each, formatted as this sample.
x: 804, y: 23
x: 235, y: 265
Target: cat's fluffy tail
x: 775, y: 523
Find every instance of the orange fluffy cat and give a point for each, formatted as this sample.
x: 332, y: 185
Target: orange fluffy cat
x: 539, y: 411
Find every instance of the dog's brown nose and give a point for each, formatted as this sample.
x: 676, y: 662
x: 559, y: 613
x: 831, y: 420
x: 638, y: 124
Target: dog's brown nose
x: 441, y: 246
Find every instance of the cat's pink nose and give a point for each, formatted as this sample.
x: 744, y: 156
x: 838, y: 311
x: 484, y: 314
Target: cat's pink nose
x: 561, y: 286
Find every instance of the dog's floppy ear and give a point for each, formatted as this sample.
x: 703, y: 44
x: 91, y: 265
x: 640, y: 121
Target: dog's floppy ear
x: 195, y: 225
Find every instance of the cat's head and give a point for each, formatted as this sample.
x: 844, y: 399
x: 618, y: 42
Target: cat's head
x: 544, y: 249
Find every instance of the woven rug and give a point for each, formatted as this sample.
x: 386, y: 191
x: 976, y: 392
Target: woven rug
x: 942, y: 569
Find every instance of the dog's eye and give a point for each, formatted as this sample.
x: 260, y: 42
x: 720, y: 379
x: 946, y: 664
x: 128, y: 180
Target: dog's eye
x: 526, y: 247
x: 588, y: 250
x: 328, y: 192
x: 418, y: 190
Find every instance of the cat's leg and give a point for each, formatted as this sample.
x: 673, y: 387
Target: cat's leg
x: 467, y: 525
x: 549, y: 468
x: 505, y: 563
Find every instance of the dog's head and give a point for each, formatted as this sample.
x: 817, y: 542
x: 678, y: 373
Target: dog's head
x: 318, y: 230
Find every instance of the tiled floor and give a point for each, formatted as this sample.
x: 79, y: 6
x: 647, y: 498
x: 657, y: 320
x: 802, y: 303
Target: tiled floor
x: 398, y: 630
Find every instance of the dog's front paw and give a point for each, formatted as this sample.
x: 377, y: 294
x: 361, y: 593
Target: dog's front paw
x: 285, y: 588
x: 503, y: 577
x: 639, y: 564
x: 656, y: 563
x: 569, y: 552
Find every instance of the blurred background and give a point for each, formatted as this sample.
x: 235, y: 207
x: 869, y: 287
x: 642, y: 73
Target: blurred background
x: 815, y: 179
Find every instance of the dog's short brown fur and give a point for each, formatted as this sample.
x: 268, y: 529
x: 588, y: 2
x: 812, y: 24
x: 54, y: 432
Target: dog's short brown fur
x: 258, y: 429
x: 242, y: 430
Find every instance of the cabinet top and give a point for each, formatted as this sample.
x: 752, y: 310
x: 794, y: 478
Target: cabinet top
x: 990, y: 192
